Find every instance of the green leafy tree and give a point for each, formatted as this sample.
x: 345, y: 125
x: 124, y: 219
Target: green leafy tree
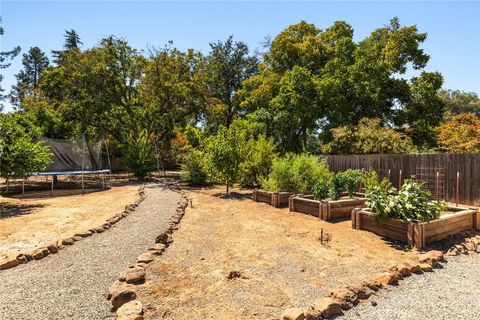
x: 330, y: 81
x: 173, y: 95
x: 459, y: 102
x: 20, y: 156
x: 224, y: 156
x: 228, y: 65
x: 368, y: 137
x: 5, y: 57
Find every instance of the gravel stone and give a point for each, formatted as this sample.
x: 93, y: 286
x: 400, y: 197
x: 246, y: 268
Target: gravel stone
x: 448, y: 293
x: 73, y: 283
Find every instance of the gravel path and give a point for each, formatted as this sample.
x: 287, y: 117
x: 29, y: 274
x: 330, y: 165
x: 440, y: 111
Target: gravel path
x: 450, y: 293
x: 73, y: 283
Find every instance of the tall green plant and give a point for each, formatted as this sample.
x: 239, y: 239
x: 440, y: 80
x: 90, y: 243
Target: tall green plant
x: 138, y: 153
x: 296, y: 173
x: 193, y: 168
x: 346, y: 181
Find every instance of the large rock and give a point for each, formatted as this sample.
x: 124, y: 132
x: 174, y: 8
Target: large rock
x: 361, y: 290
x: 132, y: 310
x: 345, y: 297
x: 135, y: 275
x: 404, y: 269
x: 324, y: 307
x: 121, y: 293
x: 21, y: 258
x: 292, y: 314
x: 426, y: 267
x: 9, y: 264
x: 84, y: 234
x: 146, y: 257
x: 53, y: 248
x: 164, y: 238
x: 68, y: 242
x: 432, y: 257
x: 386, y: 278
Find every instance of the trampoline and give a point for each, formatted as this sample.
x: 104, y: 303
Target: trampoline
x: 76, y: 157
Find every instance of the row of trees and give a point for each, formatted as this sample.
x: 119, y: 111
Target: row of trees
x: 311, y: 90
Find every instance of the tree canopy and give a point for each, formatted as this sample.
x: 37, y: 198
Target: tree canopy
x: 311, y: 90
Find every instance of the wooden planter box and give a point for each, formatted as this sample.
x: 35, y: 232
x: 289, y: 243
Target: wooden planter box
x: 326, y: 209
x: 275, y: 199
x: 419, y: 234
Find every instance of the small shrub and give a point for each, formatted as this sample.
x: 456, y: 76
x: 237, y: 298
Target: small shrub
x: 193, y: 171
x: 321, y: 189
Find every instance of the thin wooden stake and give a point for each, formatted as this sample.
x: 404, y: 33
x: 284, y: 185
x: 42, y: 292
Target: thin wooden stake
x: 458, y: 188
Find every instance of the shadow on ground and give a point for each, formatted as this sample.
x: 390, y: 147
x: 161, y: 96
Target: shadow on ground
x: 10, y: 210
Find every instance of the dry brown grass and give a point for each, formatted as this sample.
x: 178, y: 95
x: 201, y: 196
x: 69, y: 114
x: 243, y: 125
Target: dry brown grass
x: 42, y: 218
x: 238, y: 259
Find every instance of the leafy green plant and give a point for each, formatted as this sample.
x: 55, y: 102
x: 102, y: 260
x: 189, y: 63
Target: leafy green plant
x: 321, y: 189
x: 19, y: 155
x: 410, y: 203
x: 257, y: 162
x: 296, y: 173
x: 346, y: 181
x: 138, y: 153
x: 193, y: 169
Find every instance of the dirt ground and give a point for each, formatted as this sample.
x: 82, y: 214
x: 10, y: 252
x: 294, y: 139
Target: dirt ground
x: 42, y: 218
x: 238, y: 259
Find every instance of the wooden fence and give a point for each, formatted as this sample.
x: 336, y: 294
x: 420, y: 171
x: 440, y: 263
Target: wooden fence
x: 453, y: 177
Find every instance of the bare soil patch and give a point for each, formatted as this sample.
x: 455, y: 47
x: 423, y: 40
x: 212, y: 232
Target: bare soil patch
x: 42, y: 218
x: 233, y: 258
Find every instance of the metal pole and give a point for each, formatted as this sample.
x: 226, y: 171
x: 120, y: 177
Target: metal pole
x: 389, y: 174
x: 437, y: 185
x: 458, y: 188
x: 109, y: 164
x: 83, y: 159
x: 52, y: 185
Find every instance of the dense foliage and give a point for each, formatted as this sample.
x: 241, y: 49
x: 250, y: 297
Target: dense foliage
x: 369, y: 136
x: 193, y: 168
x: 20, y: 156
x: 296, y: 173
x: 412, y: 202
x: 311, y: 90
x: 460, y: 134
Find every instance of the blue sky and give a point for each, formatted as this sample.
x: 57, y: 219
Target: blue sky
x: 453, y: 27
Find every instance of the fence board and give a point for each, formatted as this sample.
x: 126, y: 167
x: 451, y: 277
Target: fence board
x: 468, y: 165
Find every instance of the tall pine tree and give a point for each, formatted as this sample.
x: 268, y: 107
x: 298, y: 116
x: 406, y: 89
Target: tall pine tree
x: 35, y: 62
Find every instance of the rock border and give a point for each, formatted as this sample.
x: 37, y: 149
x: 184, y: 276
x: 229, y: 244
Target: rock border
x: 122, y: 293
x: 40, y: 253
x: 347, y: 297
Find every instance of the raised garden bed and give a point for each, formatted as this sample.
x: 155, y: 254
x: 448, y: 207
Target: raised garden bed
x: 327, y: 209
x: 419, y: 234
x: 275, y: 199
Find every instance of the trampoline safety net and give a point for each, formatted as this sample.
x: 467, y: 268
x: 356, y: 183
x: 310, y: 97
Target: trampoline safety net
x: 73, y: 155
